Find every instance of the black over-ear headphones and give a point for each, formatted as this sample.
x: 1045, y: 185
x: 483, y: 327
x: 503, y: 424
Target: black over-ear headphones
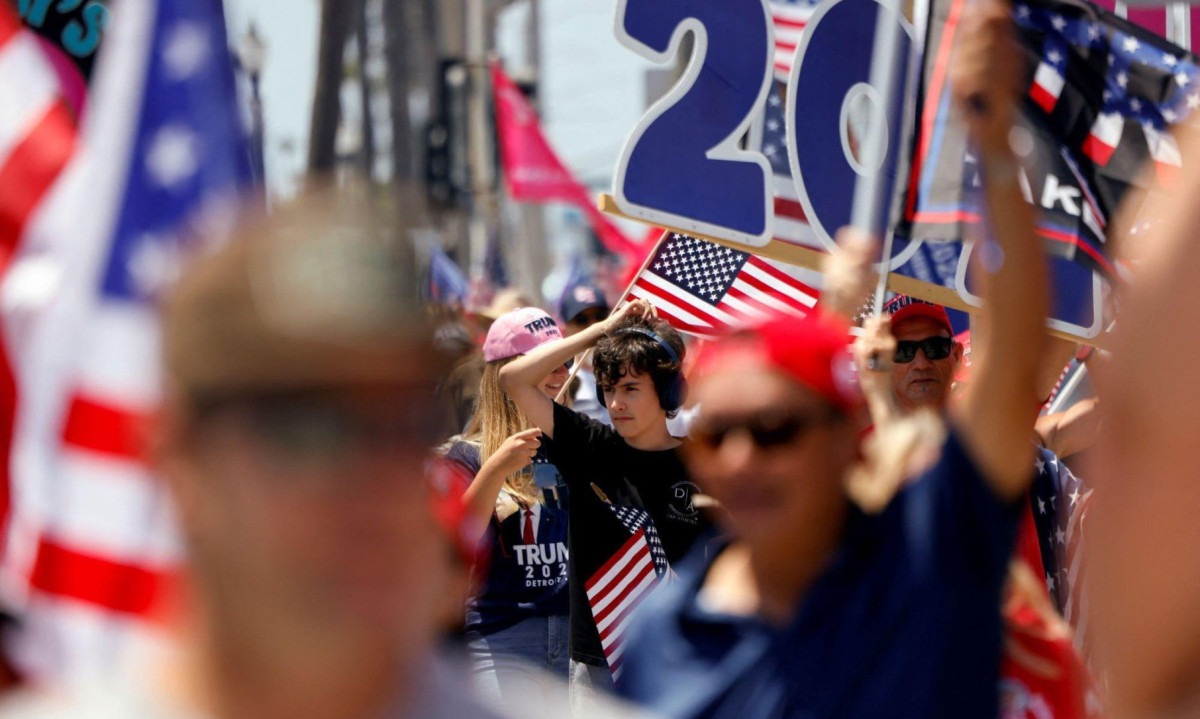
x: 671, y: 394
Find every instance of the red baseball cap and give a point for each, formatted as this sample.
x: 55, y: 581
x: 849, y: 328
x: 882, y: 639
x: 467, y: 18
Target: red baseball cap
x: 904, y: 307
x: 814, y: 351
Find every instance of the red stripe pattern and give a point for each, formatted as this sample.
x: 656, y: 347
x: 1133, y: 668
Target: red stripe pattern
x: 120, y: 587
x: 105, y: 429
x: 617, y: 589
x: 790, y: 18
x: 708, y: 289
x: 83, y: 578
x: 34, y: 150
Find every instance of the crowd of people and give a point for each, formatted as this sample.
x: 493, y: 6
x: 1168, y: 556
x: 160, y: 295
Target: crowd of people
x: 525, y: 513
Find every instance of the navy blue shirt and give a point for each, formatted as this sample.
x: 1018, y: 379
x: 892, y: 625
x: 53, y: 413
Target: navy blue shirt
x: 521, y: 580
x: 905, y: 622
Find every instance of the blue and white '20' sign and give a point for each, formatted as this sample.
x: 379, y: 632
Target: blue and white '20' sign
x: 682, y: 165
x: 841, y: 127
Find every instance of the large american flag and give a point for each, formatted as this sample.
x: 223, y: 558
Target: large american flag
x: 37, y: 140
x: 707, y: 289
x: 90, y: 541
x: 618, y: 588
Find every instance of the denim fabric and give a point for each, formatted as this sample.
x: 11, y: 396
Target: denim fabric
x: 508, y: 664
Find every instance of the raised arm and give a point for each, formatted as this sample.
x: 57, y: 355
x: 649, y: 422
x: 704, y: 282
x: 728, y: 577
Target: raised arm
x: 521, y: 377
x: 849, y: 276
x: 996, y: 414
x: 873, y: 353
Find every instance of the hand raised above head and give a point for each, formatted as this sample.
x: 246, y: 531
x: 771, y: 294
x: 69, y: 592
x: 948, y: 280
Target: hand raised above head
x: 873, y: 352
x: 633, y: 308
x: 985, y: 70
x: 848, y: 273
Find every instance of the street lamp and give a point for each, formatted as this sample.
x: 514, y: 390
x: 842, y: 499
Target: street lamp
x: 252, y: 55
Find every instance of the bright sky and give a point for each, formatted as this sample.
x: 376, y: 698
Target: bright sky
x: 593, y: 89
x: 289, y: 29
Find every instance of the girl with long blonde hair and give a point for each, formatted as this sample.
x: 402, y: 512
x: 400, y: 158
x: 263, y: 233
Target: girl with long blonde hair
x: 518, y: 604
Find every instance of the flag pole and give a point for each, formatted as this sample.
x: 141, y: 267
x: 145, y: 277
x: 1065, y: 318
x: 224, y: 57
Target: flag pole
x: 869, y: 190
x: 562, y: 393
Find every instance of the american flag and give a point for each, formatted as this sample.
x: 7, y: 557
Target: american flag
x: 618, y: 587
x: 446, y: 281
x: 91, y: 541
x: 1101, y: 98
x: 790, y: 17
x: 1060, y: 504
x: 37, y: 140
x: 707, y: 289
x: 791, y: 223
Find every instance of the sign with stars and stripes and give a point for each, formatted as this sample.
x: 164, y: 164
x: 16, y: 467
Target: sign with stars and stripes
x: 1101, y: 97
x: 771, y: 138
x: 708, y: 289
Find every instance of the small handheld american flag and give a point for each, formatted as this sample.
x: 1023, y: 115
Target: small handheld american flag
x: 618, y: 587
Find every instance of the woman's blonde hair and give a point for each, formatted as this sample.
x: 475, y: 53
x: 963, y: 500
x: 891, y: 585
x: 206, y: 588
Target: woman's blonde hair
x: 496, y: 419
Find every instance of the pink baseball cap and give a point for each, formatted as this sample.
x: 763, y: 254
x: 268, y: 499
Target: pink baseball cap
x: 517, y: 332
x: 904, y: 307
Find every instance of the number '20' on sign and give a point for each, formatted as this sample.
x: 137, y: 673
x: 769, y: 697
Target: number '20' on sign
x: 682, y: 166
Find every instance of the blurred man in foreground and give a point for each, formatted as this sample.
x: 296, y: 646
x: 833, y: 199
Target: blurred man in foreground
x: 293, y: 434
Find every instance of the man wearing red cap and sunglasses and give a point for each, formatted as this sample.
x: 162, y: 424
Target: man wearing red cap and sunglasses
x: 926, y: 354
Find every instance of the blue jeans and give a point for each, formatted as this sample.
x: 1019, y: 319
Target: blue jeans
x: 513, y: 662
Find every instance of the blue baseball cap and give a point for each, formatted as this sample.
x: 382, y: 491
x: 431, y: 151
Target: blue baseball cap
x: 580, y: 298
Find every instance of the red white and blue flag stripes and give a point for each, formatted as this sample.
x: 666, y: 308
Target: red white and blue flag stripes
x: 790, y: 17
x: 707, y: 289
x: 37, y: 140
x: 618, y: 588
x: 91, y: 541
x: 1102, y: 95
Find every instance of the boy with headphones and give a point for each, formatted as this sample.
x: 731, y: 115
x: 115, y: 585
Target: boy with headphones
x: 627, y: 483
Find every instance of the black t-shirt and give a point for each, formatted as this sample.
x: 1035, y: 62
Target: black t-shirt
x: 620, y: 496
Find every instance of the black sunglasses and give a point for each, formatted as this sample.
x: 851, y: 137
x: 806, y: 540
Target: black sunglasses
x: 935, y: 348
x: 765, y: 431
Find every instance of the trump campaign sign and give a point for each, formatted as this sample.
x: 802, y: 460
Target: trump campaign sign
x: 697, y: 162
